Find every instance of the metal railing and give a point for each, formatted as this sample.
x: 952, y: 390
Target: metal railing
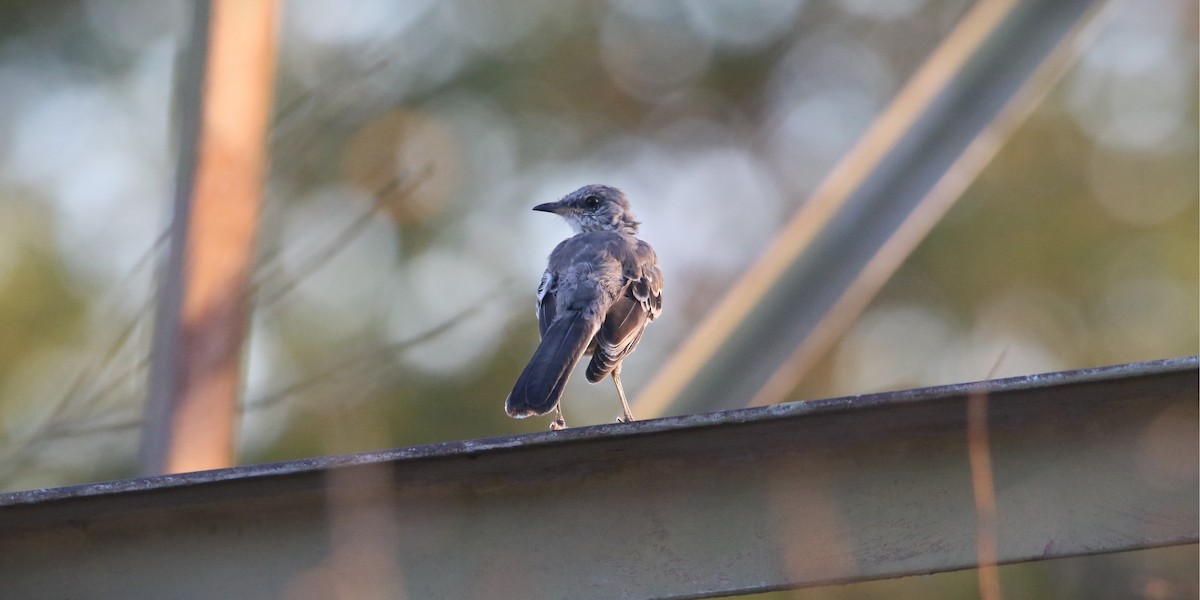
x: 791, y: 495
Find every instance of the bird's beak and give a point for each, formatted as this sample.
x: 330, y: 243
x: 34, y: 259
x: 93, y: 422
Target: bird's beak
x: 550, y: 207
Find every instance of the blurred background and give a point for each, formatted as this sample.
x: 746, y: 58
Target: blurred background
x: 398, y: 256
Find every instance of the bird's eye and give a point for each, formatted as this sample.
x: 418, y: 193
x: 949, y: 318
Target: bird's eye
x: 591, y: 201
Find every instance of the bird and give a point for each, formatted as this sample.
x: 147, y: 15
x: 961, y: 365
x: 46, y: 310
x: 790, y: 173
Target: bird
x: 601, y: 287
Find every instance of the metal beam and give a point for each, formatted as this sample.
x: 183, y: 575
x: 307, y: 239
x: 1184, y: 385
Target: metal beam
x: 799, y: 494
x: 845, y: 241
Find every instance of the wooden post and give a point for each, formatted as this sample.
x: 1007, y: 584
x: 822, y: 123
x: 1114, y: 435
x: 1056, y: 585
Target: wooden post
x: 202, y: 313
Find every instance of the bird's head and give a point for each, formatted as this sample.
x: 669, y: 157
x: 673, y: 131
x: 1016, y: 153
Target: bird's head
x: 594, y: 208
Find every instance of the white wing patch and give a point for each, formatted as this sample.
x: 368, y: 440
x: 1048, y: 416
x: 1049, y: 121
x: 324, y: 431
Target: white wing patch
x: 543, y: 287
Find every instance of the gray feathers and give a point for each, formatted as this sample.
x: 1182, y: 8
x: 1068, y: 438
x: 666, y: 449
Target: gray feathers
x: 605, y: 282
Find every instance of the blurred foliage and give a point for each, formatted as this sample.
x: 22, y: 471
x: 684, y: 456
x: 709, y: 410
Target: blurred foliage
x: 447, y: 121
x: 1076, y: 247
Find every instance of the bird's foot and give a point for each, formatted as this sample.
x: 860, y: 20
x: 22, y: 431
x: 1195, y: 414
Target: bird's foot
x: 558, y: 424
x: 625, y: 419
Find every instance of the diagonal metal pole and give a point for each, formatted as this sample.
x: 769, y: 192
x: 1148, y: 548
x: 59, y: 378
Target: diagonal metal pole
x: 223, y: 105
x: 841, y: 246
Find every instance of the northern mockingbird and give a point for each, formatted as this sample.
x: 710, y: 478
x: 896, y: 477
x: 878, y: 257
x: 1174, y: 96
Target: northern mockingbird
x: 600, y: 289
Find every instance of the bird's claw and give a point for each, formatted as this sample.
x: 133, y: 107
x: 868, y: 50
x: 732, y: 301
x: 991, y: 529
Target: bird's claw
x: 558, y: 425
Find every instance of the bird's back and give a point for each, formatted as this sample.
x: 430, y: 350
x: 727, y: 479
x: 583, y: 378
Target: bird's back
x: 615, y: 281
x: 591, y: 269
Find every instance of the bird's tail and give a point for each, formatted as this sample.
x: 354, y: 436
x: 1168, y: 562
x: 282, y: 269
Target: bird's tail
x: 541, y: 383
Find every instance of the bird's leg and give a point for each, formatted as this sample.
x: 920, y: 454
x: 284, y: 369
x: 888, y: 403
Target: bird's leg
x: 558, y: 423
x: 616, y: 377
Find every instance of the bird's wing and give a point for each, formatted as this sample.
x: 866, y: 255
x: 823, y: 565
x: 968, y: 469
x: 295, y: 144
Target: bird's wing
x: 546, y: 305
x: 639, y: 302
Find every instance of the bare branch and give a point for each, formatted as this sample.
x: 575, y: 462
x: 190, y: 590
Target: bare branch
x: 118, y: 418
x: 373, y: 356
x: 320, y: 257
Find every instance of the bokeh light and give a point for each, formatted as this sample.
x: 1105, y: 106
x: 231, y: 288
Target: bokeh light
x: 428, y: 130
x: 398, y: 256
